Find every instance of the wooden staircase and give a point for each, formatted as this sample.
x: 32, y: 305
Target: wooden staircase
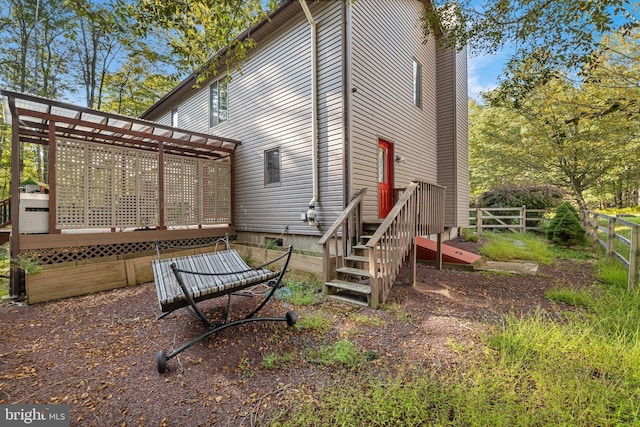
x: 352, y: 284
x: 362, y: 259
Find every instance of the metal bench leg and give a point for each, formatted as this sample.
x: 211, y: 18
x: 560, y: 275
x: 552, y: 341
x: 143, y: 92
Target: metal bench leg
x: 162, y: 357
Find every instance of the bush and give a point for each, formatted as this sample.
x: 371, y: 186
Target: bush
x: 531, y: 196
x: 565, y: 229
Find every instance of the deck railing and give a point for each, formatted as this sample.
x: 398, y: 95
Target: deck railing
x: 418, y: 212
x: 339, y: 238
x: 5, y: 212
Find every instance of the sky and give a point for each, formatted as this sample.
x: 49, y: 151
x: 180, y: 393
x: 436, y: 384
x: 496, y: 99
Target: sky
x: 483, y: 72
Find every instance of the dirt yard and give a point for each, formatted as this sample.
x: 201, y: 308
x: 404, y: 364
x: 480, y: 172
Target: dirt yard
x: 97, y: 353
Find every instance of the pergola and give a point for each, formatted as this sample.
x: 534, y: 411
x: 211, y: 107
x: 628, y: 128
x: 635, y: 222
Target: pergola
x: 110, y: 173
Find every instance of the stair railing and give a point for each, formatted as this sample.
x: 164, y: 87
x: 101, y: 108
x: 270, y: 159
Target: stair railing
x: 418, y: 212
x: 5, y: 212
x: 344, y: 232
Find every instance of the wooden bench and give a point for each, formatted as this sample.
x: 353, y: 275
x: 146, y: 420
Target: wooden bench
x: 183, y: 282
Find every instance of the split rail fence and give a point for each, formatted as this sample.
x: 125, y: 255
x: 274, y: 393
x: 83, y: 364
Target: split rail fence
x: 620, y: 239
x: 512, y: 219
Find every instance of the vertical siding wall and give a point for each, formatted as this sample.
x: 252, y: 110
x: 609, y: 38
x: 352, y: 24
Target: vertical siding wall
x: 385, y: 38
x: 269, y: 107
x: 462, y: 142
x: 452, y: 135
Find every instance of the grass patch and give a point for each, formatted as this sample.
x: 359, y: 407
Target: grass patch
x: 572, y: 297
x: 277, y: 361
x: 397, y: 311
x: 580, y: 370
x: 520, y: 246
x: 366, y: 320
x: 317, y: 321
x: 341, y: 353
x: 307, y: 292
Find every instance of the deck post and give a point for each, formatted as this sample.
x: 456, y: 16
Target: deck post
x: 52, y: 179
x: 14, y: 249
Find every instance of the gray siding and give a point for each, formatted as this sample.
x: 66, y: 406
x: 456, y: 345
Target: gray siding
x: 385, y: 38
x: 452, y: 135
x: 269, y: 107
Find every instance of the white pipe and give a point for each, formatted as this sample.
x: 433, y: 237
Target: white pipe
x: 311, y: 213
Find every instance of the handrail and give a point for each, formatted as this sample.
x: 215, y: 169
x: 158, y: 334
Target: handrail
x: 350, y: 222
x: 5, y: 212
x: 420, y: 211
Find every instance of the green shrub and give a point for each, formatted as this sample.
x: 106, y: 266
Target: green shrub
x: 531, y: 196
x: 565, y: 229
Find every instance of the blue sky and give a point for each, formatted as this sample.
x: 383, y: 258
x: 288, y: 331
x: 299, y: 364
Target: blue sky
x: 483, y: 72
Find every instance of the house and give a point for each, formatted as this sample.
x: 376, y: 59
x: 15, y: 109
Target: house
x: 336, y: 97
x: 342, y: 122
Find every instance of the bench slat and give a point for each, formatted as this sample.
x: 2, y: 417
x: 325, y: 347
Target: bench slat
x: 170, y: 295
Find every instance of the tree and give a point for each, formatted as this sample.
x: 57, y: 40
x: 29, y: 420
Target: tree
x: 134, y: 88
x: 194, y: 31
x: 546, y: 35
x: 565, y: 229
x: 96, y: 43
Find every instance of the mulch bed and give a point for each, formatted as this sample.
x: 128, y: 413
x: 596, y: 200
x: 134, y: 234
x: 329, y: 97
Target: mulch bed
x: 96, y: 353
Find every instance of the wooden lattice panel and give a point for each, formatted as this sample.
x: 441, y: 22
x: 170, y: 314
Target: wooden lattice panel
x: 148, y: 215
x: 105, y: 187
x: 112, y: 187
x: 100, y: 164
x: 216, y: 192
x: 79, y: 253
x: 70, y: 185
x: 181, y: 195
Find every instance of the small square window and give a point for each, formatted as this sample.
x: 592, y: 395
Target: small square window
x: 417, y: 84
x: 272, y: 166
x: 218, y: 103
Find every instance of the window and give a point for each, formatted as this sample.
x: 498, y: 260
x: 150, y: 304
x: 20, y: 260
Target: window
x: 417, y: 84
x: 272, y: 166
x: 174, y: 117
x: 218, y: 103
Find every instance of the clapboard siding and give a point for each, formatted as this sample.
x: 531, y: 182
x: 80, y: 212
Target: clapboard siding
x: 447, y: 131
x: 269, y: 107
x: 386, y: 37
x: 462, y: 143
x: 452, y: 135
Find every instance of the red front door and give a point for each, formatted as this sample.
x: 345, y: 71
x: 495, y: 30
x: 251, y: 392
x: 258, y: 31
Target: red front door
x: 385, y: 178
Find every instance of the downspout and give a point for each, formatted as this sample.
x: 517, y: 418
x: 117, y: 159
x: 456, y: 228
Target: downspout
x: 311, y: 213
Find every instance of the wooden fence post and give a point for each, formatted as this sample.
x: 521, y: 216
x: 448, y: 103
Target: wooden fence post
x: 611, y: 237
x: 479, y: 221
x: 634, y: 258
x: 523, y: 219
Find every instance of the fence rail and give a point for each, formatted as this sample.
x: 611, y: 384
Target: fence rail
x: 512, y: 219
x: 619, y: 238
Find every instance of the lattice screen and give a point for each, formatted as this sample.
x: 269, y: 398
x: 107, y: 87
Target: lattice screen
x: 196, y: 191
x: 112, y: 187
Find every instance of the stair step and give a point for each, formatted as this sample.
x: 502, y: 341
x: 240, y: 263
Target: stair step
x: 363, y: 247
x: 353, y: 271
x: 350, y: 286
x: 348, y: 300
x: 357, y: 258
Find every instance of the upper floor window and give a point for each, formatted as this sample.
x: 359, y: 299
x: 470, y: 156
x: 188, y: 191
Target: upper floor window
x: 272, y: 166
x: 174, y: 117
x: 417, y: 84
x: 218, y: 103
